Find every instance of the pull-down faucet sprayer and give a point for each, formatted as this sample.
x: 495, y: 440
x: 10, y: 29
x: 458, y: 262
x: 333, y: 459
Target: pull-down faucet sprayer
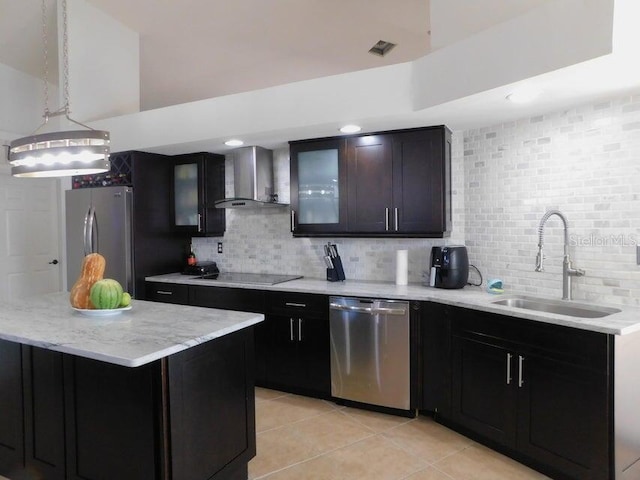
x: 567, y: 270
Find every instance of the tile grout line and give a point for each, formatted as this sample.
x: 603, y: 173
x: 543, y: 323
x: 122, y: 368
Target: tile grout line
x: 315, y: 457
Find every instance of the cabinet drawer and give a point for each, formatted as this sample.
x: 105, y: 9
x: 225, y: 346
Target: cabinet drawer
x: 570, y: 345
x: 239, y: 299
x: 167, y: 292
x: 294, y: 303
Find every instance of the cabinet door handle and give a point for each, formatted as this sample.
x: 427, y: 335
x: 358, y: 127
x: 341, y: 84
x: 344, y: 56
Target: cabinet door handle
x: 199, y: 223
x: 509, y: 356
x: 163, y: 292
x: 291, y: 329
x: 395, y: 218
x: 299, y: 305
x: 520, y: 371
x: 299, y: 329
x: 293, y: 220
x: 386, y: 219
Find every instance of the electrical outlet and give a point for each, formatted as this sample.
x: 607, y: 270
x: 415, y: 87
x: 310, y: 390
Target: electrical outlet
x: 219, y: 247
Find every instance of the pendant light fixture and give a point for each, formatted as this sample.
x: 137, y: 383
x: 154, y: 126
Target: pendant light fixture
x: 63, y: 153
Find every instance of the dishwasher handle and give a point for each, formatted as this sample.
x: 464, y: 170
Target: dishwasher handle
x: 369, y: 310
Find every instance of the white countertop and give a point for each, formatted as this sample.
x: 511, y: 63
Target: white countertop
x: 623, y: 323
x: 147, y: 332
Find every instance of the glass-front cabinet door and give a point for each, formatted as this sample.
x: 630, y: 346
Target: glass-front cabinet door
x: 185, y: 188
x: 198, y: 181
x: 318, y: 180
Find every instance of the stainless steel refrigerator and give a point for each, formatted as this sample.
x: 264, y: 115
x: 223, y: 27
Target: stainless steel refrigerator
x: 101, y: 220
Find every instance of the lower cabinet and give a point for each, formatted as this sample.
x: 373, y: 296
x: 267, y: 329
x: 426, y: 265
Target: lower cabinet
x: 190, y: 416
x: 540, y: 391
x: 294, y: 344
x: 291, y: 345
x: 11, y: 409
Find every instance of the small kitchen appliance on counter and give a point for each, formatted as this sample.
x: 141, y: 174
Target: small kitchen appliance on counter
x: 449, y: 267
x: 201, y: 268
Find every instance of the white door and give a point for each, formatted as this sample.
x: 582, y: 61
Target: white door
x: 29, y: 236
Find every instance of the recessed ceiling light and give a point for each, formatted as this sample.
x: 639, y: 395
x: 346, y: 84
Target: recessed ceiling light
x: 524, y: 95
x: 234, y: 142
x: 350, y: 129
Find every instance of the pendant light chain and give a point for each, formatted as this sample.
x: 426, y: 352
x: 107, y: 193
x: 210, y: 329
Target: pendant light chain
x: 65, y: 57
x: 65, y: 109
x: 46, y: 60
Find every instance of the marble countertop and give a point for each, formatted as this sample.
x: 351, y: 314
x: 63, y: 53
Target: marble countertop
x: 147, y: 332
x: 623, y: 323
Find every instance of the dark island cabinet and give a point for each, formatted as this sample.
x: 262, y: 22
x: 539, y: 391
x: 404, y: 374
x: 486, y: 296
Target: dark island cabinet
x: 540, y: 391
x: 385, y: 184
x: 11, y: 409
x: 189, y: 416
x: 295, y: 344
x: 198, y: 181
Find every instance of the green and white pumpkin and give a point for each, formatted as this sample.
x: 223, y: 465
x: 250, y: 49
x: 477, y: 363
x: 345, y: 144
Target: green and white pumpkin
x: 106, y: 294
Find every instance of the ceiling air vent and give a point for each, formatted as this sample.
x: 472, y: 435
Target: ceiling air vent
x: 381, y: 48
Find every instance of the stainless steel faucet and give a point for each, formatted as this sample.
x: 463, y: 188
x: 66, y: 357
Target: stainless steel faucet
x: 567, y: 270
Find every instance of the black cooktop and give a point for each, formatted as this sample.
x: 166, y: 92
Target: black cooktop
x: 250, y: 278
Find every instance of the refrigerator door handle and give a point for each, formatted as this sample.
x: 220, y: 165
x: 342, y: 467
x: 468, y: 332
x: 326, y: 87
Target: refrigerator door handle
x: 86, y: 240
x: 93, y: 230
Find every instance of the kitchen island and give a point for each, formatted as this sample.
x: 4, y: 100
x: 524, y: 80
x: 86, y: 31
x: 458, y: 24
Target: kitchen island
x: 157, y: 392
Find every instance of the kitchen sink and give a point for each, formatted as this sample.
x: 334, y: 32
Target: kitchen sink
x: 561, y: 307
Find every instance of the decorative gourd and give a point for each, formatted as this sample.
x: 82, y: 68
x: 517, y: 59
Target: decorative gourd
x: 92, y: 270
x: 106, y: 294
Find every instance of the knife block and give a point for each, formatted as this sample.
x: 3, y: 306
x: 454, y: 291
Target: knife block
x: 336, y: 274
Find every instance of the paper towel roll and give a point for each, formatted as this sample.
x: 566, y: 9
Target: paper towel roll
x: 402, y: 267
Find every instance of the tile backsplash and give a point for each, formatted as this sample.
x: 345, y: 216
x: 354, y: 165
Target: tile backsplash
x: 584, y: 161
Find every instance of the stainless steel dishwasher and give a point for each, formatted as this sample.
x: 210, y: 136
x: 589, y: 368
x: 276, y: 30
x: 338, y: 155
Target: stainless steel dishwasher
x: 370, y: 351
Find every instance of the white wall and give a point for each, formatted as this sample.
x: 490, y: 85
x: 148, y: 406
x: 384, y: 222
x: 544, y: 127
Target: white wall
x: 104, y: 63
x: 543, y: 40
x: 584, y: 161
x: 21, y: 102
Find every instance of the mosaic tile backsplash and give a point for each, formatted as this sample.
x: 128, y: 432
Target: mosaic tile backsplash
x: 583, y: 161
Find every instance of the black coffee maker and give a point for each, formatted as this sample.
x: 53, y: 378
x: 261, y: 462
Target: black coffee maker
x: 449, y: 266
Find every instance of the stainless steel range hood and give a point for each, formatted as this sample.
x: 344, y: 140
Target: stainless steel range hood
x: 252, y: 180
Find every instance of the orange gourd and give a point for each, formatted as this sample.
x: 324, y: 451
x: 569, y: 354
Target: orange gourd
x: 92, y: 270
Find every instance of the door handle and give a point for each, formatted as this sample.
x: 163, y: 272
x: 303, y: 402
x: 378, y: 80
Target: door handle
x: 291, y: 329
x: 509, y: 356
x: 395, y: 218
x: 370, y: 310
x: 53, y: 262
x: 93, y: 231
x: 299, y: 329
x: 386, y: 219
x: 85, y: 233
x: 293, y: 220
x: 520, y: 371
x: 299, y: 305
x: 199, y: 223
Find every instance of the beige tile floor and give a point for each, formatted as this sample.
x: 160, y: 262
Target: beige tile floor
x: 302, y: 438
x: 308, y: 439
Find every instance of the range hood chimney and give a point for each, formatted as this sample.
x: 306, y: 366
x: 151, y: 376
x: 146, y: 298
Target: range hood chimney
x: 252, y: 180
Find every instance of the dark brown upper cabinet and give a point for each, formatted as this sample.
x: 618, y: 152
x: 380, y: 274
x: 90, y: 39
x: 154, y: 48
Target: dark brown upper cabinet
x: 318, y: 187
x: 387, y: 184
x: 198, y: 181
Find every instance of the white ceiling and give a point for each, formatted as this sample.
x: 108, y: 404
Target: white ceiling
x: 196, y: 49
